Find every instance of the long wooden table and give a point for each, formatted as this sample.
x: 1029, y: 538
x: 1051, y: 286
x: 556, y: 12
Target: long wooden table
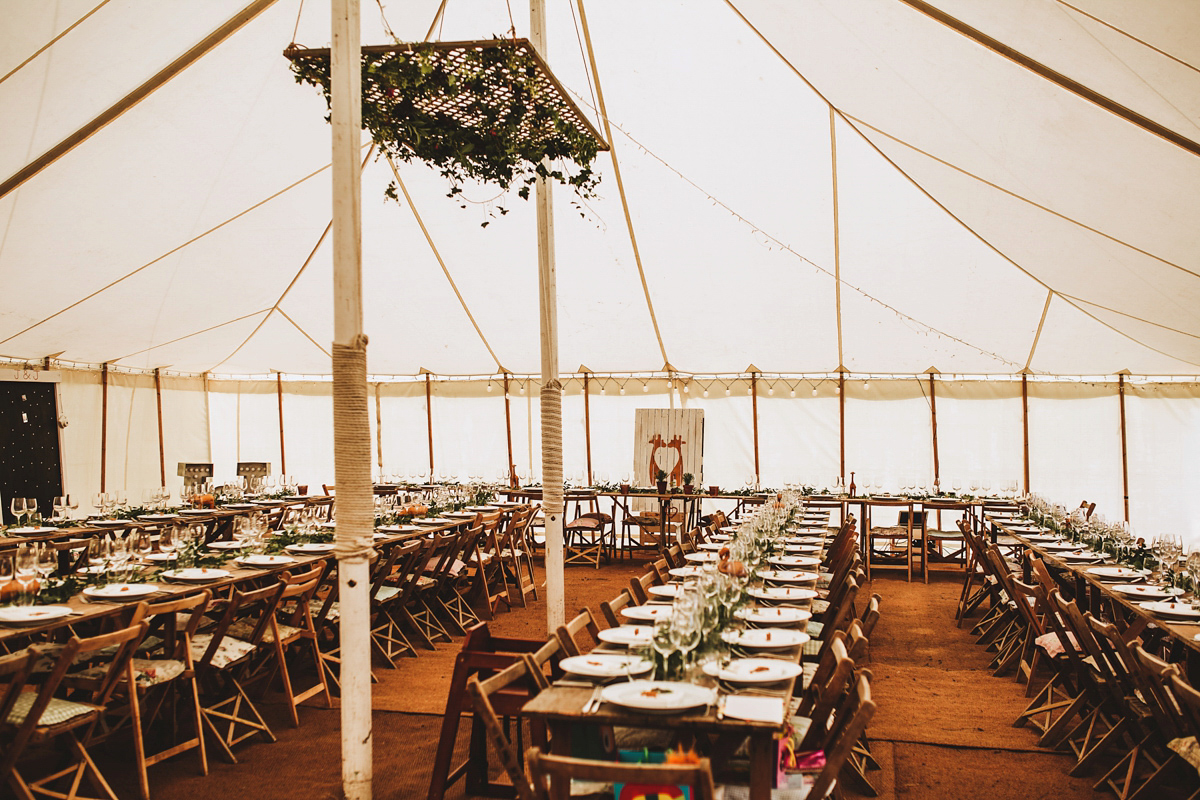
x: 1099, y: 598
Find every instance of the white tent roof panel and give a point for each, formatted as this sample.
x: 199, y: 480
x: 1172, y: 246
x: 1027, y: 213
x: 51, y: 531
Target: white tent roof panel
x: 731, y: 200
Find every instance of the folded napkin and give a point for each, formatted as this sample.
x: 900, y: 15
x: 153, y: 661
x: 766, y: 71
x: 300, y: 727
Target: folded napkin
x: 755, y: 708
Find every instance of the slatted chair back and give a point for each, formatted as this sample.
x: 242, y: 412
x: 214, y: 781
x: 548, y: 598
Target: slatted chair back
x: 857, y: 643
x: 566, y: 634
x: 610, y: 609
x: 661, y: 570
x: 38, y: 714
x: 1117, y: 657
x: 1092, y: 675
x: 1053, y: 621
x: 1159, y: 694
x: 486, y: 698
x: 1188, y: 700
x: 844, y: 542
x: 674, y: 556
x: 850, y: 723
x: 870, y: 615
x: 544, y: 660
x: 832, y: 679
x: 638, y: 587
x: 552, y: 775
x: 254, y: 606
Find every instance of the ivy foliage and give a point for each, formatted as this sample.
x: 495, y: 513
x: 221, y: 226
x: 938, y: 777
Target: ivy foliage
x: 481, y: 115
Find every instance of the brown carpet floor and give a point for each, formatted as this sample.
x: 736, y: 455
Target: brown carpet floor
x: 943, y: 730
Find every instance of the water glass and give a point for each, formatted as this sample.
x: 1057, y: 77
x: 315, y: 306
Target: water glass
x: 26, y: 572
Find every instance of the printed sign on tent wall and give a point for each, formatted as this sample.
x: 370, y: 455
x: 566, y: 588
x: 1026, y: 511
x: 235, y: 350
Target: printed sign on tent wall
x: 671, y: 440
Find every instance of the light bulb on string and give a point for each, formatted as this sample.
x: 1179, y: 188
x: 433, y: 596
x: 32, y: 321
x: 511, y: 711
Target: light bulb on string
x: 814, y: 391
x: 706, y: 392
x: 645, y: 387
x: 866, y: 386
x: 727, y: 391
x: 622, y: 390
x: 489, y: 386
x: 603, y: 388
x: 670, y: 384
x: 770, y: 391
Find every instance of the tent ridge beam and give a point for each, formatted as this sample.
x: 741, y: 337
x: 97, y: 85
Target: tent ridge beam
x: 199, y: 50
x: 1055, y: 77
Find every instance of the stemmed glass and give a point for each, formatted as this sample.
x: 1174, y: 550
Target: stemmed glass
x: 120, y: 555
x: 664, y: 645
x: 17, y: 507
x: 60, y: 509
x: 168, y: 537
x: 26, y: 573
x: 47, y: 563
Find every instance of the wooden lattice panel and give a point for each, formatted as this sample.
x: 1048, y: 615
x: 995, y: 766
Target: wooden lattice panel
x: 464, y: 108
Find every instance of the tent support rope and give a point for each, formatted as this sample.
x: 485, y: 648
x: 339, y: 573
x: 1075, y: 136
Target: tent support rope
x: 103, y: 427
x: 230, y: 27
x: 1124, y: 444
x: 1025, y: 427
x: 603, y: 110
x: 162, y: 453
x: 429, y: 420
x: 441, y: 262
x: 282, y: 450
x: 837, y: 241
x: 53, y: 41
x: 1038, y: 334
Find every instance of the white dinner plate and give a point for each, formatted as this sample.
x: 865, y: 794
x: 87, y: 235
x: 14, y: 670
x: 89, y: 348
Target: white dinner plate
x: 1170, y: 610
x: 240, y: 506
x: 714, y: 546
x: 32, y: 615
x: 753, y: 670
x: 1147, y: 592
x: 1125, y: 574
x: 702, y: 557
x: 398, y: 528
x: 766, y: 638
x: 778, y: 615
x: 690, y: 571
x: 627, y: 635
x: 120, y: 591
x: 108, y: 523
x: 650, y: 613
x: 1079, y: 557
x: 804, y: 540
x: 225, y: 545
x: 459, y: 515
x: 157, y: 517
x: 310, y: 548
x: 782, y: 593
x: 658, y: 697
x: 802, y: 548
x: 33, y: 530
x: 667, y: 591
x: 1026, y: 529
x: 161, y: 558
x: 787, y: 576
x: 1057, y: 546
x: 430, y: 521
x: 263, y: 560
x: 795, y: 561
x: 484, y: 509
x: 606, y: 665
x: 720, y: 537
x: 194, y: 575
x: 729, y: 529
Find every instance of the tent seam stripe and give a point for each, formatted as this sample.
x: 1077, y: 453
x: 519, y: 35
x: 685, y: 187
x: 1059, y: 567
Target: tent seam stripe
x: 53, y: 41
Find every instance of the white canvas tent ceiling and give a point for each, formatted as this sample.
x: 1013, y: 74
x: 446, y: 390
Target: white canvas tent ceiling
x: 980, y: 207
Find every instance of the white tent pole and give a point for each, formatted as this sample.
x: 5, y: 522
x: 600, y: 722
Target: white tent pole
x: 351, y: 423
x: 552, y: 478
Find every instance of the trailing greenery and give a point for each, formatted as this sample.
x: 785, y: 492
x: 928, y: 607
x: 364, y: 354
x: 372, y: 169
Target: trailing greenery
x: 495, y: 85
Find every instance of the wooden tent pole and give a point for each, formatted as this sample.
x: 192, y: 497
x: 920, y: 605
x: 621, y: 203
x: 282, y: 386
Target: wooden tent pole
x: 512, y: 465
x: 587, y: 427
x: 754, y: 417
x: 103, y: 426
x: 162, y: 455
x: 351, y: 419
x: 1025, y: 425
x: 429, y: 420
x: 231, y: 26
x: 551, y: 392
x: 937, y: 471
x: 1124, y: 449
x: 379, y: 426
x: 282, y: 451
x: 842, y: 424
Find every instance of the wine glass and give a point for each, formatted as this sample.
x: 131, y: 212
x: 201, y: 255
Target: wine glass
x: 141, y: 545
x: 73, y: 503
x: 47, y: 562
x: 60, y: 508
x: 168, y: 538
x: 26, y: 573
x: 32, y: 515
x: 663, y: 644
x: 17, y: 507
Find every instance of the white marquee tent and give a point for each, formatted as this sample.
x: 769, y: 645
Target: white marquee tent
x: 854, y: 188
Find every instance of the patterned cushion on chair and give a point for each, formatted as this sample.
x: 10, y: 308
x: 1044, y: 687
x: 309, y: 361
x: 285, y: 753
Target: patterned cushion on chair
x: 56, y: 712
x: 244, y: 629
x: 813, y: 647
x: 814, y: 629
x: 230, y: 651
x: 334, y: 613
x: 1187, y: 748
x: 147, y: 672
x: 386, y: 593
x: 820, y: 606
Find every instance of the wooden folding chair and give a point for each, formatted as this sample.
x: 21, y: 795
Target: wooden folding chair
x: 39, y: 715
x: 515, y: 553
x: 293, y: 624
x: 567, y: 634
x: 585, y: 539
x: 222, y: 659
x: 497, y: 703
x: 610, y: 609
x: 157, y: 670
